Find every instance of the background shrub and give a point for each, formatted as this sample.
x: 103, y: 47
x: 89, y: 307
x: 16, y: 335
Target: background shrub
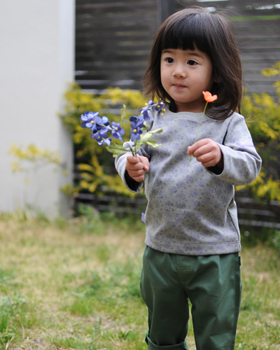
x: 262, y: 114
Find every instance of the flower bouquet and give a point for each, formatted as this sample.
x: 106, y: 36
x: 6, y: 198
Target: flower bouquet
x: 101, y: 127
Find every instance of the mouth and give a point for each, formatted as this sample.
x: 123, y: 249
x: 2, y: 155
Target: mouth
x: 179, y: 86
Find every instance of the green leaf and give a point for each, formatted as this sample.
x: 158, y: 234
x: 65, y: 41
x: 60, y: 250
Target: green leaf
x: 153, y: 143
x: 116, y: 143
x: 148, y: 135
x: 116, y: 148
x: 115, y: 151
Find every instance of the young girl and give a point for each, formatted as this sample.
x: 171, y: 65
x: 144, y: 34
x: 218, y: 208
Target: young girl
x: 192, y: 234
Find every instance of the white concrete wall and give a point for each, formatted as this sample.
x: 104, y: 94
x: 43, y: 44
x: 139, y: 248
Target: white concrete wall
x: 37, y: 62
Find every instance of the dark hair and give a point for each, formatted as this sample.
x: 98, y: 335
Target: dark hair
x: 210, y: 33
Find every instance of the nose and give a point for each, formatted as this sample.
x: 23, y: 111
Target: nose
x: 179, y: 71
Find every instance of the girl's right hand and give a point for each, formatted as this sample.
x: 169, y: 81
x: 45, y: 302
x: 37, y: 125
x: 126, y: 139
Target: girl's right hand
x: 136, y: 167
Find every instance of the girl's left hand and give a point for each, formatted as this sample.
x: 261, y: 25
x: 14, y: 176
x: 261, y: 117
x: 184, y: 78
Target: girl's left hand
x: 206, y: 151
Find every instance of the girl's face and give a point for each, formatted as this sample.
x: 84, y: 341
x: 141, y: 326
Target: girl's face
x: 184, y: 75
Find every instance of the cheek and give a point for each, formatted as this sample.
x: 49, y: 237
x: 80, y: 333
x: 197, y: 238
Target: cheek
x: 206, y: 80
x: 164, y: 75
x: 164, y: 83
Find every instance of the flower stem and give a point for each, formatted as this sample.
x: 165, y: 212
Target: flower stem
x: 132, y: 151
x: 203, y: 114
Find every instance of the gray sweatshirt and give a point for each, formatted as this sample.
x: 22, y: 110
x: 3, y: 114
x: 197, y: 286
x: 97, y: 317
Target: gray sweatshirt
x: 191, y: 210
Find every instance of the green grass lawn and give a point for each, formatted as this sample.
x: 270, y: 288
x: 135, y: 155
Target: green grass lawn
x: 75, y: 285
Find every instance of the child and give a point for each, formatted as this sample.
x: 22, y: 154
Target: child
x: 192, y: 234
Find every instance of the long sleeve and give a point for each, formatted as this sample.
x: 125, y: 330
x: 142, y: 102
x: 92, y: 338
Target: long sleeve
x: 242, y: 163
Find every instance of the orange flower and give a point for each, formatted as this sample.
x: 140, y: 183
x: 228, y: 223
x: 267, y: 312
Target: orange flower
x: 208, y: 97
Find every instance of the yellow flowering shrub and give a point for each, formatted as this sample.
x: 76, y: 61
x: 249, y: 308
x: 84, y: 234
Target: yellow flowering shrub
x: 33, y: 158
x: 262, y: 114
x: 95, y: 165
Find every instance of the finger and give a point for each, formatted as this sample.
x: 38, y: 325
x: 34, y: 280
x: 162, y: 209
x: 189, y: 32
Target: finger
x: 191, y: 149
x: 203, y: 150
x: 208, y: 146
x: 132, y: 159
x: 209, y: 163
x: 138, y: 178
x: 137, y: 175
x: 145, y: 162
x: 210, y: 158
x: 135, y: 168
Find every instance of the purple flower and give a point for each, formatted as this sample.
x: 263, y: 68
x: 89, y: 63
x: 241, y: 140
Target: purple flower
x: 103, y: 125
x: 160, y: 106
x: 146, y: 116
x: 133, y: 119
x: 135, y: 131
x: 90, y: 120
x: 136, y: 124
x: 97, y: 136
x: 101, y: 138
x: 117, y: 131
x: 145, y: 111
x: 95, y: 123
x: 107, y: 141
x: 139, y: 121
x: 149, y: 104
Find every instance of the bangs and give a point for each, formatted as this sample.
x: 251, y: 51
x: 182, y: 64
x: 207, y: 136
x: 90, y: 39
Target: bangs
x: 187, y: 33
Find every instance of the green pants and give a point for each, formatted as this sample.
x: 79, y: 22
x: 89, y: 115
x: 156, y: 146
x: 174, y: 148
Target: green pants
x: 211, y: 283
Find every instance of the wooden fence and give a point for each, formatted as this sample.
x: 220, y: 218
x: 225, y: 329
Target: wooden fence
x: 113, y: 39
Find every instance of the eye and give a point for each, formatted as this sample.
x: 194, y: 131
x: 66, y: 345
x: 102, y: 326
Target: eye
x: 192, y: 63
x: 169, y: 60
